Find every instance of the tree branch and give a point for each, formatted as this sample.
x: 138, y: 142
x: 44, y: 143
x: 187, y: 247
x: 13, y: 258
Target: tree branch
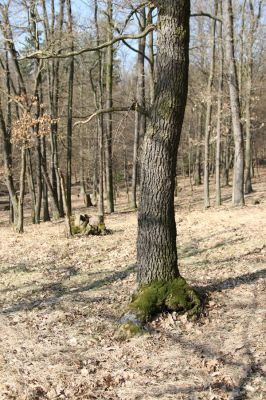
x: 204, y: 14
x: 132, y: 107
x: 136, y: 51
x: 43, y: 55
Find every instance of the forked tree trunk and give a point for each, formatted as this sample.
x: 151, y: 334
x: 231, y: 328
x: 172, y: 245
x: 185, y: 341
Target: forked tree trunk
x: 156, y: 243
x: 238, y: 177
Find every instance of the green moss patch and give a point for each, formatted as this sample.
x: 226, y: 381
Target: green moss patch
x: 98, y: 230
x: 174, y: 295
x: 87, y: 229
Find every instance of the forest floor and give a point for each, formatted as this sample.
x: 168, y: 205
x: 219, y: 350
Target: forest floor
x: 60, y: 300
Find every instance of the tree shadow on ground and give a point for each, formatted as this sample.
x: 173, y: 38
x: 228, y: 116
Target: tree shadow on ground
x: 249, y: 370
x: 57, y: 291
x: 20, y: 267
x: 231, y: 283
x: 236, y: 392
x: 190, y: 251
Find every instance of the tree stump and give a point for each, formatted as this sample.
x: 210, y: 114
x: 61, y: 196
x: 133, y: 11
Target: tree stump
x: 87, y: 200
x: 87, y: 225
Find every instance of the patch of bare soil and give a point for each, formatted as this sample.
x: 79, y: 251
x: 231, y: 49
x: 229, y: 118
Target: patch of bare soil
x: 61, y: 299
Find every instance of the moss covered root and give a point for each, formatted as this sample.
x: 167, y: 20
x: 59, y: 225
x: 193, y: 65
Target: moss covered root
x: 129, y: 326
x: 174, y: 295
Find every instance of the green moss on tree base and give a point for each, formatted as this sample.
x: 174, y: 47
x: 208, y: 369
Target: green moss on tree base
x: 174, y: 295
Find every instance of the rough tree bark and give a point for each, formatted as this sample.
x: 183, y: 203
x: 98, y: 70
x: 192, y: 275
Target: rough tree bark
x: 156, y: 243
x: 160, y: 283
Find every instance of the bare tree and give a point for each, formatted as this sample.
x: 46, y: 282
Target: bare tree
x: 238, y: 181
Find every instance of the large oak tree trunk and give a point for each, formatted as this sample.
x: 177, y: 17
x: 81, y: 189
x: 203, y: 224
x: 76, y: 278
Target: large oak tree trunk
x: 156, y: 243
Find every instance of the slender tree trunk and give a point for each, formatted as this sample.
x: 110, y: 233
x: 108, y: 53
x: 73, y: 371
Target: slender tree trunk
x: 238, y: 177
x: 248, y: 149
x: 82, y: 184
x: 39, y: 191
x: 208, y: 116
x: 140, y: 119
x: 156, y: 243
x: 31, y: 186
x: 46, y: 215
x: 35, y: 38
x: 219, y: 115
x: 126, y: 172
x: 99, y: 105
x: 7, y: 155
x: 20, y: 223
x: 254, y: 20
x: 69, y: 110
x: 109, y: 104
x: 135, y: 160
x: 67, y: 211
x: 150, y: 48
x: 197, y: 165
x: 54, y: 199
x: 241, y: 54
x: 53, y: 86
